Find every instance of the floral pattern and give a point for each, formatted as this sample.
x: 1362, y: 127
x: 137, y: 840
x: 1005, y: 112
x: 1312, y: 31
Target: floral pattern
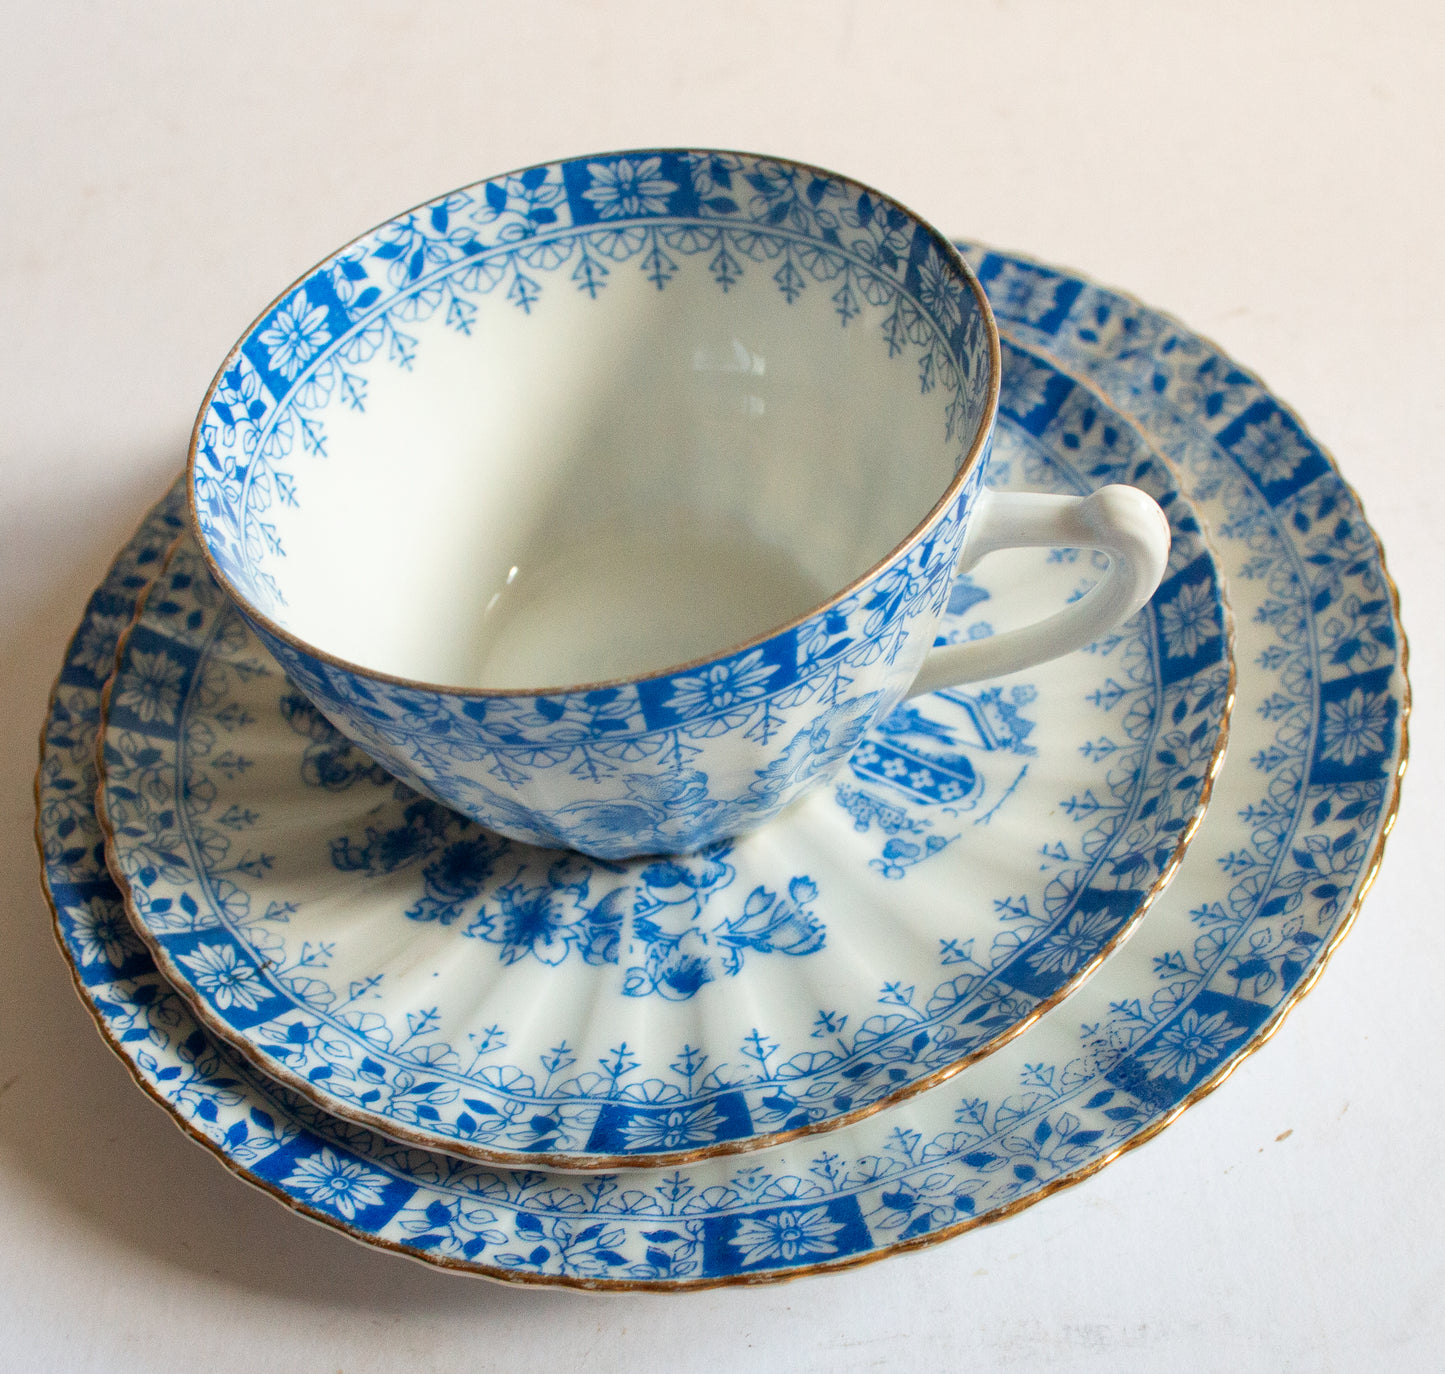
x: 1357, y: 726
x: 95, y: 644
x: 1254, y: 911
x: 152, y: 694
x: 674, y: 1130
x: 721, y: 685
x: 628, y: 187
x: 220, y: 973
x: 1133, y: 737
x: 343, y: 1185
x: 1278, y: 448
x: 1191, y: 1041
x: 1189, y: 620
x: 295, y: 336
x: 605, y: 763
x: 787, y: 1236
x: 1085, y: 935
x: 101, y: 931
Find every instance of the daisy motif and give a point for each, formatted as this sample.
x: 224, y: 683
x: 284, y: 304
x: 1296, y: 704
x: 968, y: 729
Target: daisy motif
x: 1356, y: 726
x: 1188, y: 621
x: 1278, y: 449
x: 1076, y: 943
x: 223, y: 977
x: 720, y: 686
x: 787, y: 1236
x: 1192, y: 1041
x: 151, y: 689
x: 674, y: 1130
x: 1027, y: 387
x: 101, y: 931
x: 1022, y: 294
x: 939, y: 291
x: 95, y: 648
x: 295, y: 336
x: 345, y: 1185
x: 628, y: 188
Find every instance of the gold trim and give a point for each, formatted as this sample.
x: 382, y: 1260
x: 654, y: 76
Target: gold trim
x: 1202, y: 1090
x: 946, y: 248
x: 597, y: 1163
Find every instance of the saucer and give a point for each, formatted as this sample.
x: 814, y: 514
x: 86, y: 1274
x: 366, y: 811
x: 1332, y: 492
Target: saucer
x: 407, y: 970
x: 1265, y: 895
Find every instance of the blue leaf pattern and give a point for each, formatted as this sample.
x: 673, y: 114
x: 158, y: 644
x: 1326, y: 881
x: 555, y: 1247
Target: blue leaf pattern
x: 1253, y: 933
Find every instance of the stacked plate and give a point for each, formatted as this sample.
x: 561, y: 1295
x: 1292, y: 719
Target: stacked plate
x: 902, y: 1009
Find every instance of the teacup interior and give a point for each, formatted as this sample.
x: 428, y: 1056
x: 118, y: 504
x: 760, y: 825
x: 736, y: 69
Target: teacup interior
x: 568, y: 486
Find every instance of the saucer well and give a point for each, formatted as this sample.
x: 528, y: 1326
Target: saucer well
x: 1266, y: 893
x: 407, y: 970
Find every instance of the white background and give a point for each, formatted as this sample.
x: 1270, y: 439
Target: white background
x: 1270, y: 172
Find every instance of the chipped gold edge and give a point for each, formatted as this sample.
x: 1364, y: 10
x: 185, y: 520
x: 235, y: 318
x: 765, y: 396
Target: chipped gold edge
x: 1202, y: 1090
x: 575, y: 1163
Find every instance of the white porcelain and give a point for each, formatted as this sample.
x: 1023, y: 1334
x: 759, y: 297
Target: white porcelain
x: 609, y: 501
x: 981, y: 852
x: 1270, y: 886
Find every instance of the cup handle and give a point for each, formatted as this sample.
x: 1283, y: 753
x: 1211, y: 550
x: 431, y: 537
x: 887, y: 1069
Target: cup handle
x: 1121, y: 521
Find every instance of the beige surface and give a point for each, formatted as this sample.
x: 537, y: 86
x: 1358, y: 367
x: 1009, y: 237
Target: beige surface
x: 1269, y: 172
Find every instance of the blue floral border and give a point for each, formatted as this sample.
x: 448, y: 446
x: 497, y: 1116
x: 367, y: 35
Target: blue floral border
x: 1285, y: 900
x: 569, y: 226
x: 190, y: 891
x: 800, y: 223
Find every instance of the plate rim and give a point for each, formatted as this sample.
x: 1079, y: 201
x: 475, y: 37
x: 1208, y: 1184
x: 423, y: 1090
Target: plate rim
x: 1268, y: 1028
x: 574, y: 1162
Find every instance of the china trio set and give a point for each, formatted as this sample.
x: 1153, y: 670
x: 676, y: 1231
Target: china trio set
x: 630, y: 756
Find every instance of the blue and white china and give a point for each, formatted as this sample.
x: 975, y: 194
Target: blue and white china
x: 1264, y: 896
x: 408, y: 970
x: 609, y: 501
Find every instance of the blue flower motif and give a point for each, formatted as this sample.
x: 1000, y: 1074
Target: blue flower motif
x: 816, y: 747
x: 219, y: 972
x: 1023, y: 293
x: 681, y: 975
x: 1188, y: 620
x: 460, y: 869
x: 345, y: 1185
x: 589, y: 823
x: 721, y: 685
x: 1193, y: 1040
x: 674, y: 1130
x: 628, y: 188
x: 295, y: 336
x: 94, y: 647
x: 101, y: 931
x: 1026, y: 387
x: 547, y: 922
x: 153, y: 691
x: 1076, y: 942
x: 1278, y: 450
x: 534, y: 921
x: 940, y: 292
x: 1356, y: 726
x: 787, y: 1236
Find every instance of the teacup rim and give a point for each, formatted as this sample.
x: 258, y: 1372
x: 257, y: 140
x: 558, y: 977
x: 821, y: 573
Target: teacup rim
x: 947, y: 250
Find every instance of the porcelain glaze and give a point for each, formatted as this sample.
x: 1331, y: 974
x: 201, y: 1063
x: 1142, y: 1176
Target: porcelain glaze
x: 691, y: 408
x: 382, y: 955
x: 1267, y: 891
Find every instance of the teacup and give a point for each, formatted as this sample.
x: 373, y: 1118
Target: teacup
x: 611, y: 501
